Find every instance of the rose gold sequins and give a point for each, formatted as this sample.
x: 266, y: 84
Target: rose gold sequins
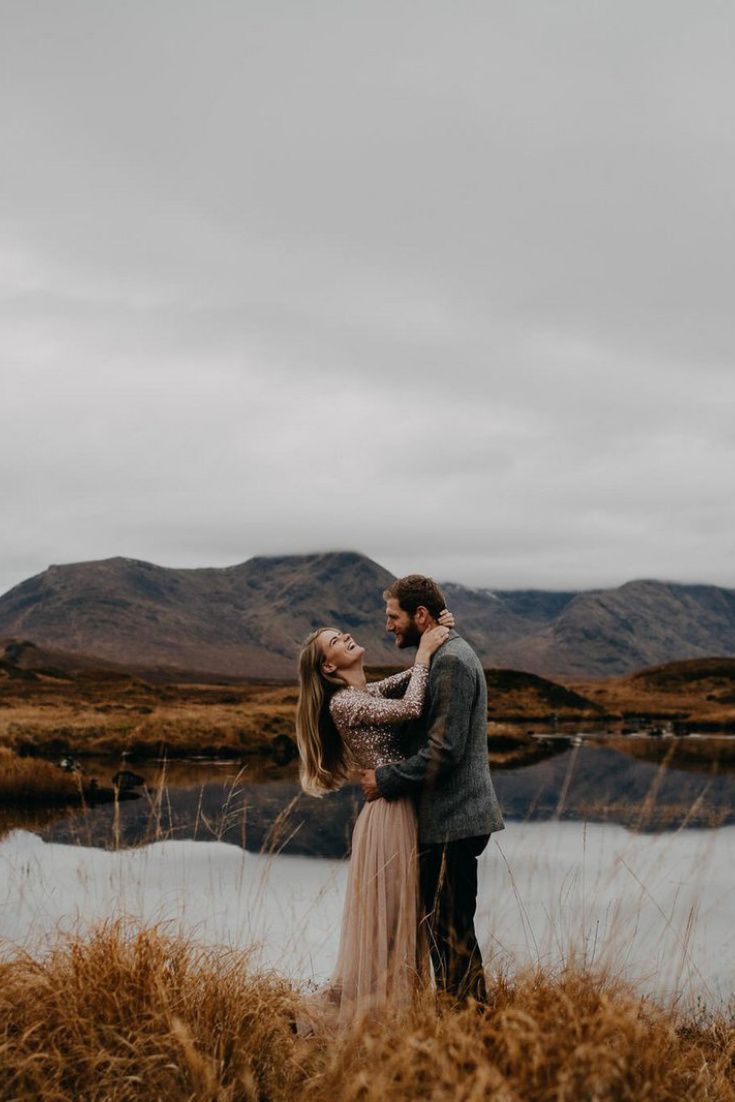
x: 370, y: 722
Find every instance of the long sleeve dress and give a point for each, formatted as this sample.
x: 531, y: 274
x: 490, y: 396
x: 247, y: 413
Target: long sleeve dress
x: 382, y: 952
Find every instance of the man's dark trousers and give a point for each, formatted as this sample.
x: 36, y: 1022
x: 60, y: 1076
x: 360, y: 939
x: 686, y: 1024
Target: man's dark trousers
x: 448, y: 872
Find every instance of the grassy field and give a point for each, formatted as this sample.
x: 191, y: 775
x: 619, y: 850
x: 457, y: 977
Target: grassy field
x: 130, y: 1014
x: 697, y: 693
x: 145, y: 721
x: 94, y: 716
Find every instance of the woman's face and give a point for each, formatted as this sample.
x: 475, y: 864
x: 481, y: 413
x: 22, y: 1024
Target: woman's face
x: 339, y: 649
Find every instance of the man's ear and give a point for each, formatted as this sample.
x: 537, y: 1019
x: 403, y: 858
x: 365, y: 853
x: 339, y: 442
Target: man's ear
x: 421, y: 617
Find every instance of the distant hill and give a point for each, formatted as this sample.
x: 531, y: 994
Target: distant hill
x: 697, y: 694
x: 597, y: 633
x: 23, y: 660
x: 244, y: 620
x: 641, y: 623
x: 247, y: 620
x: 714, y: 674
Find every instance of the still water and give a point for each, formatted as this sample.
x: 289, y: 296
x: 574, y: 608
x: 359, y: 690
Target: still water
x: 260, y: 806
x: 241, y: 858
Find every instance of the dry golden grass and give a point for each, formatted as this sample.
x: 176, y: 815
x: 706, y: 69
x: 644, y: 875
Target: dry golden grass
x: 31, y: 781
x: 141, y: 1017
x: 99, y: 716
x: 130, y: 1014
x: 687, y: 698
x: 184, y: 727
x: 103, y: 715
x: 182, y: 730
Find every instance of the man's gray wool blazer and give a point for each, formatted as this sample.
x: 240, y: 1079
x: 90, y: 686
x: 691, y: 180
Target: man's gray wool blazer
x: 449, y: 772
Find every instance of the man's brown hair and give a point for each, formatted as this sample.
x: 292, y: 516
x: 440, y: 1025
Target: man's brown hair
x: 415, y: 590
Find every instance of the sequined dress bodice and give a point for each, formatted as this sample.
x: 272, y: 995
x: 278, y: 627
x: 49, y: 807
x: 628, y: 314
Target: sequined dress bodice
x: 370, y: 720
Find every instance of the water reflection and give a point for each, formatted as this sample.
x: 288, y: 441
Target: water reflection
x: 260, y: 806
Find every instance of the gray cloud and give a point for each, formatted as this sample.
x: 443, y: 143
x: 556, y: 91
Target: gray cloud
x: 449, y: 284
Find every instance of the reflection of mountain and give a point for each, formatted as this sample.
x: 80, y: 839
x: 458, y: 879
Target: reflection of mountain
x: 586, y: 782
x: 602, y: 784
x: 273, y: 816
x: 693, y: 755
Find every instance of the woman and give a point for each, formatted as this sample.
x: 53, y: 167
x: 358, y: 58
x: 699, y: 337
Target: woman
x: 343, y: 723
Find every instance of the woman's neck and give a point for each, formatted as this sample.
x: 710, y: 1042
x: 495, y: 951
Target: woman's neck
x: 354, y: 677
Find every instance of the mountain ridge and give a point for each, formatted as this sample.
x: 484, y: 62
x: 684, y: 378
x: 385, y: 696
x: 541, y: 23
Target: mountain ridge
x: 249, y: 618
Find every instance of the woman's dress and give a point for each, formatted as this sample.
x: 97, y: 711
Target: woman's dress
x: 382, y: 952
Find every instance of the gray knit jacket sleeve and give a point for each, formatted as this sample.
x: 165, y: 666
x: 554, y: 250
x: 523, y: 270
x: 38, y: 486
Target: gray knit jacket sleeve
x: 451, y: 690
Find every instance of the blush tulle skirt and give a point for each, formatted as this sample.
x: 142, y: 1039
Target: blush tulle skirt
x: 383, y: 958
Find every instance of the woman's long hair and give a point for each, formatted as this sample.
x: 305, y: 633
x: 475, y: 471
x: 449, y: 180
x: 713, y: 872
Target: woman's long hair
x: 324, y: 760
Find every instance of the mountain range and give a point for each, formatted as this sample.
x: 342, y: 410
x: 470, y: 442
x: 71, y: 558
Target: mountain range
x: 248, y: 620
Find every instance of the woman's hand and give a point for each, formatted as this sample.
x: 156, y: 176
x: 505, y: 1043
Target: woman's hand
x: 431, y: 640
x: 446, y: 619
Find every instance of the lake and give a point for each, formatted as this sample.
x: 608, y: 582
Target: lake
x: 242, y: 857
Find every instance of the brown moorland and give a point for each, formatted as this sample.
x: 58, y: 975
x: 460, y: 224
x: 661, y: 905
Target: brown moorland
x: 53, y: 704
x: 695, y: 694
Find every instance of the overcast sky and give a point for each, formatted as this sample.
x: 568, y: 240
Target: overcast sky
x: 452, y: 284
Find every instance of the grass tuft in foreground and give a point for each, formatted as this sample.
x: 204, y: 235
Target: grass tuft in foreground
x: 131, y: 1014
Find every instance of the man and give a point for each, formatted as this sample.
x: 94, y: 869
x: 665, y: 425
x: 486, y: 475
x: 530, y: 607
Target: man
x: 450, y: 776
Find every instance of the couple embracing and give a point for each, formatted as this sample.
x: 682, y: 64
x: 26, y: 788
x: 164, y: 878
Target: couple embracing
x: 419, y: 740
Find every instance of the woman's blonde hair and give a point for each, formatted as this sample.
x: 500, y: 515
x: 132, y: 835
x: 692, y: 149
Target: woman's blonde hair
x: 325, y: 760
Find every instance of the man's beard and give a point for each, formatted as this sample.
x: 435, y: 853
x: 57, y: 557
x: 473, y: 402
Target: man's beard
x: 411, y: 637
